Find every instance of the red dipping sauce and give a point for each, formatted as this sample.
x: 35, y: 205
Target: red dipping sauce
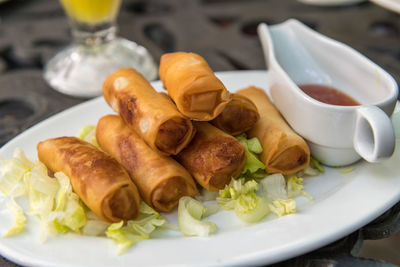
x: 328, y: 95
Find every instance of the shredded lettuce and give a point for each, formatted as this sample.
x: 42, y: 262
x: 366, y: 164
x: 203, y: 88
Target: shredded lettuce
x: 274, y: 187
x: 283, y: 207
x: 252, y: 147
x: 347, y: 170
x: 88, y: 134
x: 69, y: 213
x: 12, y: 171
x: 314, y: 163
x: 295, y: 188
x: 241, y: 196
x: 134, y: 231
x: 190, y: 213
x: 19, y: 219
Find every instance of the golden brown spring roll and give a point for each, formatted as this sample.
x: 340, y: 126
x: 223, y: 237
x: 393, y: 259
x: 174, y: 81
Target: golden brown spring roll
x: 191, y: 83
x: 160, y: 179
x: 98, y: 179
x: 151, y: 115
x: 284, y: 151
x: 238, y: 116
x: 213, y: 157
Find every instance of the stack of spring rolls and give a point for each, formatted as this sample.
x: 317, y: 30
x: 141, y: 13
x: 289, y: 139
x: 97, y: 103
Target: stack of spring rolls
x: 160, y: 145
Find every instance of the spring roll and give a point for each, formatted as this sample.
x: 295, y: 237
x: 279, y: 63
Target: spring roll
x: 213, y: 157
x: 284, y: 151
x: 238, y: 116
x: 191, y: 83
x: 98, y: 179
x: 160, y: 179
x: 151, y: 115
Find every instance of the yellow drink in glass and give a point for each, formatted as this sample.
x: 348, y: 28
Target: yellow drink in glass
x: 91, y: 11
x: 96, y: 51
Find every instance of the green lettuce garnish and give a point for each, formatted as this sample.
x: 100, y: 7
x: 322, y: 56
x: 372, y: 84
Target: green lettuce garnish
x: 190, y: 214
x: 283, y: 207
x: 19, y: 219
x: 69, y: 213
x: 241, y: 196
x: 134, y: 231
x: 295, y: 187
x: 315, y: 164
x: 12, y: 171
x: 88, y: 134
x: 252, y: 147
x: 274, y: 187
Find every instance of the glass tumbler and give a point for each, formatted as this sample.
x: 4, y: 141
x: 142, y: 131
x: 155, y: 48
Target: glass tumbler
x: 80, y: 69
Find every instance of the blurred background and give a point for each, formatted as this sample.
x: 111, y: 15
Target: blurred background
x: 224, y: 33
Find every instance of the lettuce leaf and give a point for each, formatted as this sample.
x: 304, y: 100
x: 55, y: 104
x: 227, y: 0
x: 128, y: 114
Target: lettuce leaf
x: 190, y: 213
x: 88, y: 134
x: 69, y: 213
x: 314, y: 163
x: 19, y: 219
x: 274, y: 187
x: 283, y: 207
x: 241, y: 196
x: 295, y: 188
x: 134, y: 231
x: 12, y: 172
x: 252, y: 147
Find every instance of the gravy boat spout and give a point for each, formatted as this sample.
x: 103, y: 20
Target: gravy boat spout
x: 337, y: 135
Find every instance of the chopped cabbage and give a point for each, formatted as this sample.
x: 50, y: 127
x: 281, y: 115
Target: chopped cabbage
x: 88, y: 134
x: 190, y: 213
x: 134, y: 231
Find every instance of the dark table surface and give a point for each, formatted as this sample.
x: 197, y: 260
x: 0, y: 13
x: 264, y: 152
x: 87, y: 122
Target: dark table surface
x: 222, y: 31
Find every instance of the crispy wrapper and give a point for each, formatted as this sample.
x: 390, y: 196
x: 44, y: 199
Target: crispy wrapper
x: 238, y: 116
x: 213, y: 157
x: 98, y: 179
x: 284, y: 150
x: 160, y: 179
x: 191, y: 83
x: 151, y: 115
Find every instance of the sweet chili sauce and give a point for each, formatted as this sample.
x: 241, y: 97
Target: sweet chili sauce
x: 328, y: 95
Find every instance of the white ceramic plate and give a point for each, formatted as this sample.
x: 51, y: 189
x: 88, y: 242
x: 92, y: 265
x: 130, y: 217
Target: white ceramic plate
x: 342, y: 203
x: 393, y: 5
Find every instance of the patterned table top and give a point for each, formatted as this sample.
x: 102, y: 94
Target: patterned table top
x: 222, y: 31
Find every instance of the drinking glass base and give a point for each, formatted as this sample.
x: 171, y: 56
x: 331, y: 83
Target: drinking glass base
x: 80, y: 70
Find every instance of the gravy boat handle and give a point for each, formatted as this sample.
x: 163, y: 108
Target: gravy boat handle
x: 374, y: 138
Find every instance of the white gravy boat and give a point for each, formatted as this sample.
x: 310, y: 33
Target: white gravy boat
x: 337, y: 135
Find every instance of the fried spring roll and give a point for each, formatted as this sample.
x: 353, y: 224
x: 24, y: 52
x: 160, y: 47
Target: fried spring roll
x: 238, y: 116
x: 161, y: 180
x: 151, y: 115
x: 213, y: 157
x: 191, y: 83
x: 284, y: 151
x: 98, y: 179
